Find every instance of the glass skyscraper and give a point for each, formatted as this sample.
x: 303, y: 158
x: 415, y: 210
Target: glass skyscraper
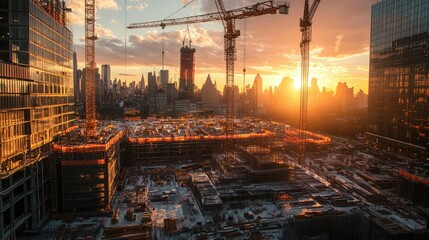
x: 36, y: 104
x: 398, y: 103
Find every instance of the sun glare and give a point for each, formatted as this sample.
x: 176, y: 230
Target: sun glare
x: 297, y: 83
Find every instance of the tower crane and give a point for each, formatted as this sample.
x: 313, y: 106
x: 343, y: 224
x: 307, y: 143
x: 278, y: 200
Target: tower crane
x: 305, y: 27
x: 230, y: 34
x: 90, y: 68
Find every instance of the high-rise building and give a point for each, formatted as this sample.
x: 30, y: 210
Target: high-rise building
x: 236, y: 95
x: 152, y: 89
x: 142, y: 83
x: 344, y: 97
x: 164, y: 79
x: 105, y: 79
x: 76, y: 85
x: 313, y: 91
x: 36, y: 105
x: 171, y: 93
x: 257, y: 93
x: 98, y: 88
x: 187, y: 72
x: 79, y: 75
x: 161, y: 101
x: 210, y: 96
x: 399, y: 77
x: 361, y: 100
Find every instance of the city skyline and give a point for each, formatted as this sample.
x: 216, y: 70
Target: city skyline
x: 103, y: 152
x: 340, y: 49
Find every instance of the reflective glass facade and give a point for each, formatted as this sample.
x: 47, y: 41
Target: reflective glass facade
x: 36, y: 104
x: 398, y: 102
x: 36, y: 86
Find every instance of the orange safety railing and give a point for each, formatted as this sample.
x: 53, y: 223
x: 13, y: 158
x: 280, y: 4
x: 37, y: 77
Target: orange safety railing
x: 293, y: 137
x: 193, y: 138
x: 89, y: 147
x: 413, y: 177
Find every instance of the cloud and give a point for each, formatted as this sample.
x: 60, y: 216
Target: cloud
x: 142, y: 6
x: 77, y: 16
x: 126, y: 75
x: 107, y: 4
x: 103, y: 32
x: 339, y: 49
x: 113, y: 21
x: 338, y: 43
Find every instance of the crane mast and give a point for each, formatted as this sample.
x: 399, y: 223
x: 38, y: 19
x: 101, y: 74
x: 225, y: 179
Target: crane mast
x: 230, y: 35
x: 90, y: 68
x: 305, y: 27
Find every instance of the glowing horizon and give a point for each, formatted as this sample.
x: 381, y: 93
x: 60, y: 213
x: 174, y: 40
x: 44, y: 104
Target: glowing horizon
x: 339, y: 49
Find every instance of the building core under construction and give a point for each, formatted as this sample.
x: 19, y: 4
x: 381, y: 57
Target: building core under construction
x: 187, y: 72
x: 87, y: 172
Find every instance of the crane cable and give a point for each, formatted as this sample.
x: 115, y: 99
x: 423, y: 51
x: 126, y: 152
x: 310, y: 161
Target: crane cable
x: 163, y: 32
x: 163, y: 47
x: 184, y: 6
x: 244, y: 57
x: 125, y: 41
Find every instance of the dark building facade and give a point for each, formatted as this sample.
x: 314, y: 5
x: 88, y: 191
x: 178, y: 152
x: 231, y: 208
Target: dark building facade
x: 398, y: 102
x: 98, y: 166
x: 152, y: 89
x: 36, y: 105
x: 187, y: 72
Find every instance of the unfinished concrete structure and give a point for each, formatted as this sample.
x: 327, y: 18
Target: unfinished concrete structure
x: 87, y: 173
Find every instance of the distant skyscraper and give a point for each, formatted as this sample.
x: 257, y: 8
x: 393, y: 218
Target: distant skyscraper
x: 398, y: 77
x: 171, y: 93
x: 164, y: 79
x: 257, y: 91
x: 142, y: 83
x: 187, y: 72
x: 105, y: 79
x: 236, y: 95
x: 314, y: 90
x: 79, y: 82
x: 210, y: 96
x: 161, y: 101
x: 76, y: 85
x: 344, y: 97
x: 152, y: 89
x: 36, y: 105
x: 361, y: 100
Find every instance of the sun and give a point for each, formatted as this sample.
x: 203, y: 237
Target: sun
x: 297, y: 83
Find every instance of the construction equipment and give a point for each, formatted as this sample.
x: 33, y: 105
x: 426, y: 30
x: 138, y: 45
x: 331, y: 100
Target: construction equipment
x: 230, y: 56
x: 90, y: 68
x: 305, y: 27
x: 228, y: 19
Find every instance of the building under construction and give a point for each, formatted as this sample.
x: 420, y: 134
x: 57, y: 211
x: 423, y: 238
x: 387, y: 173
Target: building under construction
x: 36, y: 105
x: 87, y: 173
x: 187, y: 72
x: 179, y: 141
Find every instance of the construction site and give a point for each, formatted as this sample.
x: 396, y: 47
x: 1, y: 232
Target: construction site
x: 222, y: 177
x: 129, y: 185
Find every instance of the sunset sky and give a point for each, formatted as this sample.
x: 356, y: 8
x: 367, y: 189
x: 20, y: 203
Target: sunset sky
x: 339, y: 47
